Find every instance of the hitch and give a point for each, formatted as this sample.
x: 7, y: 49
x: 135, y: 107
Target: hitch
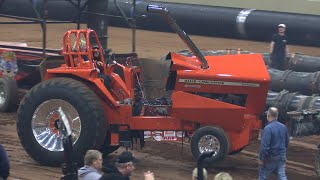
x: 123, y: 136
x: 120, y: 135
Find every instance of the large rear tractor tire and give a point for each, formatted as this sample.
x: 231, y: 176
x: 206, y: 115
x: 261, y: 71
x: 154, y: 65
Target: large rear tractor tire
x: 208, y: 139
x: 38, y: 123
x: 8, y: 93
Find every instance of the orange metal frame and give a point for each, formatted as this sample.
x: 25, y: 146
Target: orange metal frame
x: 188, y: 110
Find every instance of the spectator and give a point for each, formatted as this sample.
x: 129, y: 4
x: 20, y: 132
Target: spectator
x: 123, y: 168
x: 223, y: 176
x: 274, y: 143
x: 195, y: 174
x: 4, y: 164
x: 92, y: 166
x: 279, y: 49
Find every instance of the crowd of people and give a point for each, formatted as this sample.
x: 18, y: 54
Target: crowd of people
x: 123, y: 167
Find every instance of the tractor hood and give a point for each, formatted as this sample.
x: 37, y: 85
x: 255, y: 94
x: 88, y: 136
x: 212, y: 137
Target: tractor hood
x: 242, y: 75
x: 240, y: 67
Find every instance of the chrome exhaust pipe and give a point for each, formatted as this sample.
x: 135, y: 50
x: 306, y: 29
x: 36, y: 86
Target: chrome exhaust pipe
x: 165, y: 13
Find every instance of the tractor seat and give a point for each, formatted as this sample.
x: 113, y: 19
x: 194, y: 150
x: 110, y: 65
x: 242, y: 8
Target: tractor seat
x: 106, y: 79
x: 80, y: 62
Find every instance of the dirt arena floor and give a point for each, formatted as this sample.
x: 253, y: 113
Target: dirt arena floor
x: 167, y: 160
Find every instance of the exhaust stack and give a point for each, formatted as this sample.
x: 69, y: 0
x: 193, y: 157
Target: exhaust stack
x: 165, y: 13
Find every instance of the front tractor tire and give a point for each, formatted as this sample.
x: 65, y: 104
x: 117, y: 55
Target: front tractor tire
x: 38, y: 123
x: 208, y: 139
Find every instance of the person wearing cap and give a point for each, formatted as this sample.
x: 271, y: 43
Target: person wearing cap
x: 273, y: 147
x: 123, y: 168
x: 92, y: 166
x: 195, y: 174
x: 279, y: 49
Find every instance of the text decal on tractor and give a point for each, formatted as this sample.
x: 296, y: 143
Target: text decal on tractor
x: 223, y: 83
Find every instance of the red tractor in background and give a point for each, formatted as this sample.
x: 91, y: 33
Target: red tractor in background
x: 216, y: 100
x: 20, y: 70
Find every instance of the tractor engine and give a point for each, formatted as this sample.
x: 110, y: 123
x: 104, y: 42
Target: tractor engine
x: 236, y: 99
x: 156, y: 99
x: 157, y: 91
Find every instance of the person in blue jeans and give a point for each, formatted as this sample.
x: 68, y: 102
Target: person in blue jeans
x: 274, y: 143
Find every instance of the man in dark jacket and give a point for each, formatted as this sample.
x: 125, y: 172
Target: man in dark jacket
x: 274, y: 143
x: 123, y: 168
x: 4, y: 164
x: 279, y: 49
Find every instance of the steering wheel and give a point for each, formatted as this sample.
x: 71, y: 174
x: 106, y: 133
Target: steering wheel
x: 111, y: 60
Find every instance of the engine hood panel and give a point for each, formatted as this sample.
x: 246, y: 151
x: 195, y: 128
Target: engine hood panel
x: 241, y: 74
x: 246, y: 68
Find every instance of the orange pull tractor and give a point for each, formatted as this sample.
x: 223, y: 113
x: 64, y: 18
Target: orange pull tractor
x: 215, y: 100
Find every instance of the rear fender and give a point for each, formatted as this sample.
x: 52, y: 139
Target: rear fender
x: 49, y: 63
x: 95, y: 84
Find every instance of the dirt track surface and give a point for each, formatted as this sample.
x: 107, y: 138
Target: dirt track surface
x: 166, y: 160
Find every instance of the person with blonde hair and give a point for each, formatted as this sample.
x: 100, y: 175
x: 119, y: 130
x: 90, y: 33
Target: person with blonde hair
x: 223, y: 176
x: 195, y: 174
x: 82, y: 59
x: 82, y: 45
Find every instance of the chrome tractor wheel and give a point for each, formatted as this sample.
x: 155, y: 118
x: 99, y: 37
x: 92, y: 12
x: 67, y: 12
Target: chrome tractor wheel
x: 40, y: 128
x: 210, y: 139
x: 209, y: 143
x: 47, y: 126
